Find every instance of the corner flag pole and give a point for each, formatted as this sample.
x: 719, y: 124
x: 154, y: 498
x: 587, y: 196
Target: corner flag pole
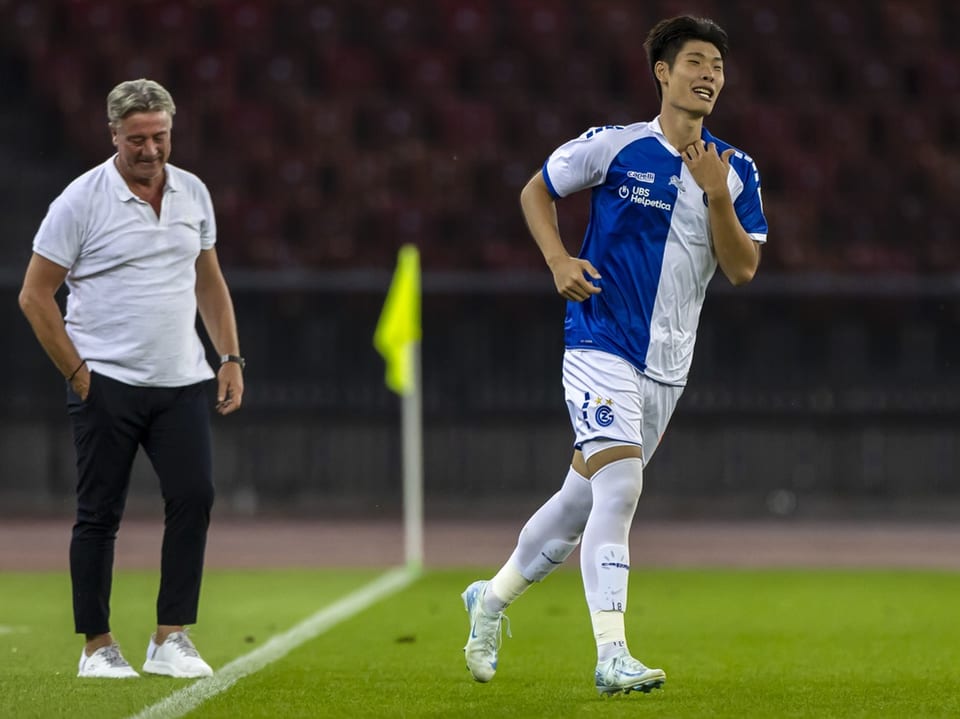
x: 412, y: 434
x: 397, y: 338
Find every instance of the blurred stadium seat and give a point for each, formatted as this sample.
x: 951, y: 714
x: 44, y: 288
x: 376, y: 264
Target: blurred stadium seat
x: 452, y: 104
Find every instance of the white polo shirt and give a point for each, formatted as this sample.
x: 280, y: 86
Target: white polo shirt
x: 132, y: 304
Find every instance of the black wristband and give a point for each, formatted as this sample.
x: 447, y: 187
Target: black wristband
x: 74, y: 373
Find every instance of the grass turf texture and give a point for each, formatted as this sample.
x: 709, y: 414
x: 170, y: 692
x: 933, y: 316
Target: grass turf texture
x: 733, y: 644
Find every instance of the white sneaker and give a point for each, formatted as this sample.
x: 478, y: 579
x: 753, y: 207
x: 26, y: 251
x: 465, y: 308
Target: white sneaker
x: 176, y: 657
x: 624, y: 674
x: 105, y: 663
x: 483, y: 642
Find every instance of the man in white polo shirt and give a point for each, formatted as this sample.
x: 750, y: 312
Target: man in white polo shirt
x: 133, y: 239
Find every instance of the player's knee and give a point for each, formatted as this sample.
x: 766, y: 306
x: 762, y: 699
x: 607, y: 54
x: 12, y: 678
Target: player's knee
x: 576, y: 505
x: 617, y: 486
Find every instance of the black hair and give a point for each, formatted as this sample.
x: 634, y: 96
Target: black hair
x: 668, y: 36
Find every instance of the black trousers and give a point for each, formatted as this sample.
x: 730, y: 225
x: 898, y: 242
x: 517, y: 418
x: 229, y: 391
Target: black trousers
x: 173, y: 427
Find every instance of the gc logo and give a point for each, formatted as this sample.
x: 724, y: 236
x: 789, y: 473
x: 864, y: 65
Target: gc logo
x: 604, y: 416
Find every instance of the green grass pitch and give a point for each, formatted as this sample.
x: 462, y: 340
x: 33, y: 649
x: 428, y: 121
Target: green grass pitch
x: 758, y: 643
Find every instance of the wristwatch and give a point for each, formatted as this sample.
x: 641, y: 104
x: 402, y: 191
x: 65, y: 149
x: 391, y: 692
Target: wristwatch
x: 233, y: 358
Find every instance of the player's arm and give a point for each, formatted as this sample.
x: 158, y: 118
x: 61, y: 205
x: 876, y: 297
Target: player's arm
x: 39, y: 304
x: 737, y: 253
x: 540, y: 213
x: 216, y: 311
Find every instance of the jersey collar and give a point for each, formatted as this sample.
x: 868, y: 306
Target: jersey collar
x: 656, y: 128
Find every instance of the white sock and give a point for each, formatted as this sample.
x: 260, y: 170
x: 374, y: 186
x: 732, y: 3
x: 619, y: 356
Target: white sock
x: 545, y: 541
x: 504, y: 588
x: 609, y: 631
x: 561, y: 518
x: 612, y: 649
x: 605, y: 554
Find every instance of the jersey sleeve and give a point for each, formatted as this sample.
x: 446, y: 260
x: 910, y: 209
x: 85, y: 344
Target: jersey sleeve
x: 749, y: 203
x: 582, y: 162
x: 60, y: 235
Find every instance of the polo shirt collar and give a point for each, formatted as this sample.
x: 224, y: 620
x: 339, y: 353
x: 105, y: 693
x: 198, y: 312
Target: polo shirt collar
x: 121, y: 188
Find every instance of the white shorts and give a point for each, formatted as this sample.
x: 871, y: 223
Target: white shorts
x: 613, y: 403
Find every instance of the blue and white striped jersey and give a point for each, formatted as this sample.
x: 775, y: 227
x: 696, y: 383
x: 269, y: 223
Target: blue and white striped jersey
x: 649, y: 237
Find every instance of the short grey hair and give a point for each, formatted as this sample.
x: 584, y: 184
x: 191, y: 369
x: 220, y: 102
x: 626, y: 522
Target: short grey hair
x: 138, y: 96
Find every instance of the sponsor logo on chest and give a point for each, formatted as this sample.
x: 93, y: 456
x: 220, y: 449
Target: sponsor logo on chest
x: 639, y: 193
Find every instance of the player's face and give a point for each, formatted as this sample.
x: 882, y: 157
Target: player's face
x: 694, y: 82
x: 142, y: 140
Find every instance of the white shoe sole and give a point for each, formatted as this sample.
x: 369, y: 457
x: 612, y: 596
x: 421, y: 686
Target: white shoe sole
x: 168, y: 670
x: 645, y: 685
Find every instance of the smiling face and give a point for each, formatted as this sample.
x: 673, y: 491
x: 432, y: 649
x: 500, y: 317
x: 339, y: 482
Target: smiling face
x: 691, y: 86
x: 142, y: 140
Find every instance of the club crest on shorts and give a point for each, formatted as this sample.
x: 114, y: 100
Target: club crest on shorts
x: 601, y: 409
x: 603, y: 415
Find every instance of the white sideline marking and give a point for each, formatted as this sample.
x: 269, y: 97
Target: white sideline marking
x: 189, y: 698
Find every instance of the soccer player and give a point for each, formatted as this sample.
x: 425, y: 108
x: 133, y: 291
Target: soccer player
x: 134, y: 240
x: 669, y: 202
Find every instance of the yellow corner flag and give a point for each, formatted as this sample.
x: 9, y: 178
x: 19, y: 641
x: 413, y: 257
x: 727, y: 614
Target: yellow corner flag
x: 399, y: 324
